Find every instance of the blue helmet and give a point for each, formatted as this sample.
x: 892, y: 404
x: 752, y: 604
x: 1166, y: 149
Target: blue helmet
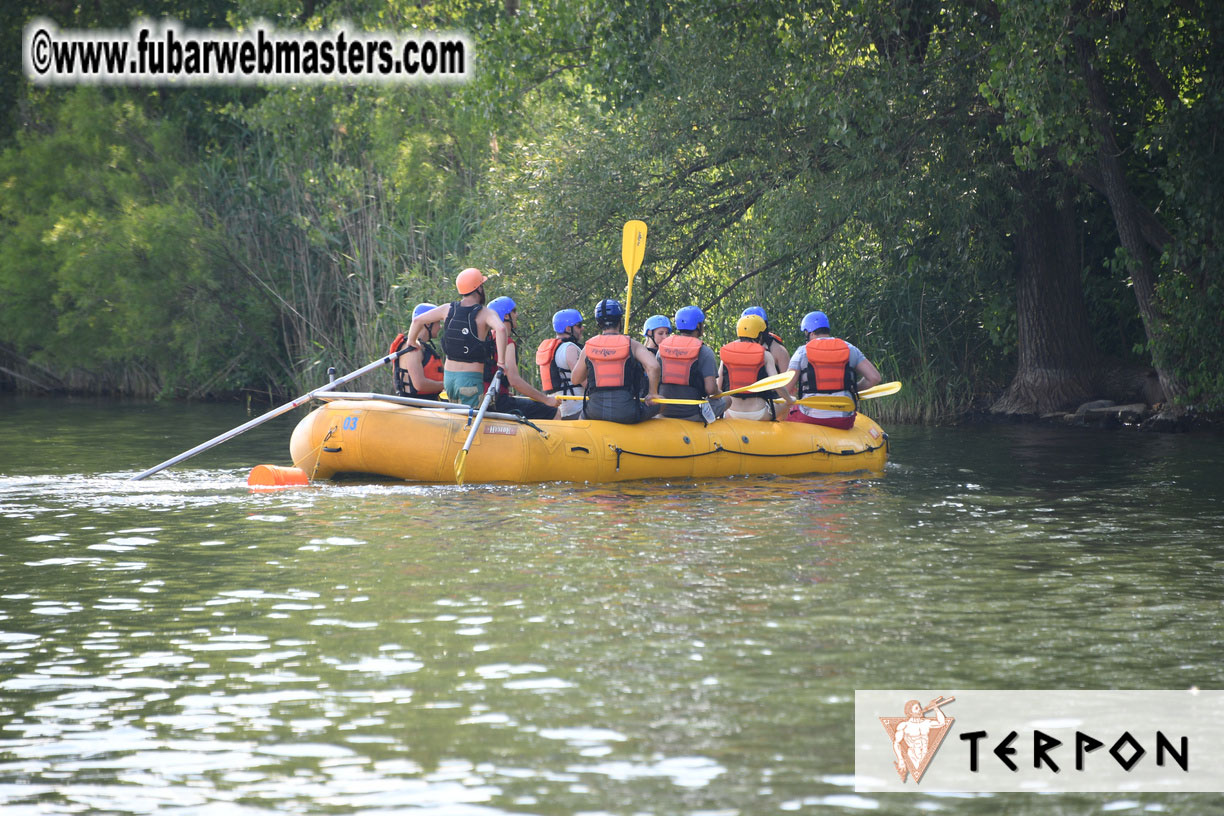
x: 688, y: 318
x: 608, y: 312
x: 814, y: 321
x: 656, y: 322
x: 422, y: 308
x: 564, y: 319
x: 755, y: 310
x: 502, y: 306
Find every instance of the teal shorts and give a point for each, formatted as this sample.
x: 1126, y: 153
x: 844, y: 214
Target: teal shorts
x: 464, y: 386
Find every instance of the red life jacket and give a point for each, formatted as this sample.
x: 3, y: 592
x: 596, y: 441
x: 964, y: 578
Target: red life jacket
x: 678, y: 357
x: 828, y: 369
x: 553, y: 377
x: 610, y: 359
x: 743, y: 364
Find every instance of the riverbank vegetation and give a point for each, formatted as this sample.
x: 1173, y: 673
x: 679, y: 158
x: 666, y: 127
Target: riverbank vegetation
x: 1004, y: 204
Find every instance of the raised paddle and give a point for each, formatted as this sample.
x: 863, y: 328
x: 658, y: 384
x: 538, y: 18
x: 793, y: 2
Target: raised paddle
x: 259, y: 420
x: 633, y: 249
x: 461, y: 457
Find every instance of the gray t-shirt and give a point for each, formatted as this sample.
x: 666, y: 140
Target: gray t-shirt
x: 799, y: 362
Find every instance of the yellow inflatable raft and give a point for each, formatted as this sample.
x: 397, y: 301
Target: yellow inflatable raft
x: 377, y: 436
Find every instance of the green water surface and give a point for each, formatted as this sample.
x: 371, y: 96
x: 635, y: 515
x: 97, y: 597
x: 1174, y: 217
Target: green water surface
x: 185, y: 645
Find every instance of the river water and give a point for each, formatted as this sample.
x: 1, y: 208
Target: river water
x: 185, y: 645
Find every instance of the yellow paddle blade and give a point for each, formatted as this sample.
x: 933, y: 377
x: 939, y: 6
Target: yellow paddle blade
x: 829, y: 403
x: 633, y: 246
x: 460, y: 460
x: 881, y: 390
x: 768, y: 384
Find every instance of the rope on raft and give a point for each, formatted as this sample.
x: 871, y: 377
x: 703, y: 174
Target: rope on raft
x: 720, y: 449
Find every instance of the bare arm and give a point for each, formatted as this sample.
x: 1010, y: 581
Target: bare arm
x: 522, y: 386
x: 578, y: 374
x: 410, y: 361
x: 499, y: 330
x: 651, y: 365
x: 868, y: 375
x: 432, y: 316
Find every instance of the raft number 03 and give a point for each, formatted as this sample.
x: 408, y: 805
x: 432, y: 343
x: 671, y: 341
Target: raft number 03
x: 350, y: 423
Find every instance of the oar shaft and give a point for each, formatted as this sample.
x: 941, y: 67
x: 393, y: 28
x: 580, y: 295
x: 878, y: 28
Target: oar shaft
x: 259, y: 420
x: 484, y: 409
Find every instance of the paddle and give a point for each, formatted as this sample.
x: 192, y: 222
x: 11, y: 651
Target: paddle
x: 461, y: 457
x: 770, y: 383
x: 633, y: 248
x: 833, y: 403
x: 826, y: 403
x: 881, y: 390
x: 259, y: 420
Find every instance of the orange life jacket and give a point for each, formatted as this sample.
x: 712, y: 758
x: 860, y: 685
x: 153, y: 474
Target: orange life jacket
x: 553, y: 377
x: 611, y: 362
x: 431, y: 363
x: 678, y: 357
x: 743, y: 364
x: 828, y: 368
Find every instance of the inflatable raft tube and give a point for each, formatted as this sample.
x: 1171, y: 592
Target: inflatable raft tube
x: 380, y: 438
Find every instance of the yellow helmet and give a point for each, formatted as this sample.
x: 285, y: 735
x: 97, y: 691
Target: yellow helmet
x: 750, y: 327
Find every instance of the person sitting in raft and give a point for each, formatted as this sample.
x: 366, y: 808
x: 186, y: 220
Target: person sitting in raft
x: 556, y: 357
x: 828, y: 366
x: 771, y: 341
x: 656, y: 329
x: 611, y: 366
x: 418, y: 369
x: 743, y: 362
x: 467, y: 325
x: 540, y: 405
x: 689, y: 369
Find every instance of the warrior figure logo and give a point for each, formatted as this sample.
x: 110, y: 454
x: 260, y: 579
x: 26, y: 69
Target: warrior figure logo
x: 916, y: 737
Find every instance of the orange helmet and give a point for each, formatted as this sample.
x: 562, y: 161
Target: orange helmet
x: 469, y: 280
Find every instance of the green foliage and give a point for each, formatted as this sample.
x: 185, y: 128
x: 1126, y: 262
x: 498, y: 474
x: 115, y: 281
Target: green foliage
x: 105, y: 266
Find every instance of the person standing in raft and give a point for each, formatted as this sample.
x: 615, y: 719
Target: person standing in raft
x: 656, y: 330
x: 771, y: 341
x: 828, y: 366
x: 540, y: 405
x: 743, y: 362
x: 557, y: 356
x: 418, y: 369
x: 467, y: 325
x: 612, y: 366
x: 689, y: 369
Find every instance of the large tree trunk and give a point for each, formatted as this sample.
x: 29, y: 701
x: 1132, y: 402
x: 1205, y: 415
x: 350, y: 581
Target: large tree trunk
x: 1057, y: 355
x: 1128, y: 216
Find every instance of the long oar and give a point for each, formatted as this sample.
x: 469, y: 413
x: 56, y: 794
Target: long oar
x: 259, y: 420
x: 461, y: 457
x: 633, y: 249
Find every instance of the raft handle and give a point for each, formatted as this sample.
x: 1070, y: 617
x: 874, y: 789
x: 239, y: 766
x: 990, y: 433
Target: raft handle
x: 577, y: 448
x: 331, y: 450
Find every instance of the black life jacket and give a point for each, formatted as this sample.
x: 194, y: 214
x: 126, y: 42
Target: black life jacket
x: 460, y: 339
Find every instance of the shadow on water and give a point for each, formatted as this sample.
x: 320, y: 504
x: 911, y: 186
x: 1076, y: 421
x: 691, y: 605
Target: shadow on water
x: 187, y: 645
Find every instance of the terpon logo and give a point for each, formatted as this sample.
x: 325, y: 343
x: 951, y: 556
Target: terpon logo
x: 1039, y: 740
x: 916, y: 737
